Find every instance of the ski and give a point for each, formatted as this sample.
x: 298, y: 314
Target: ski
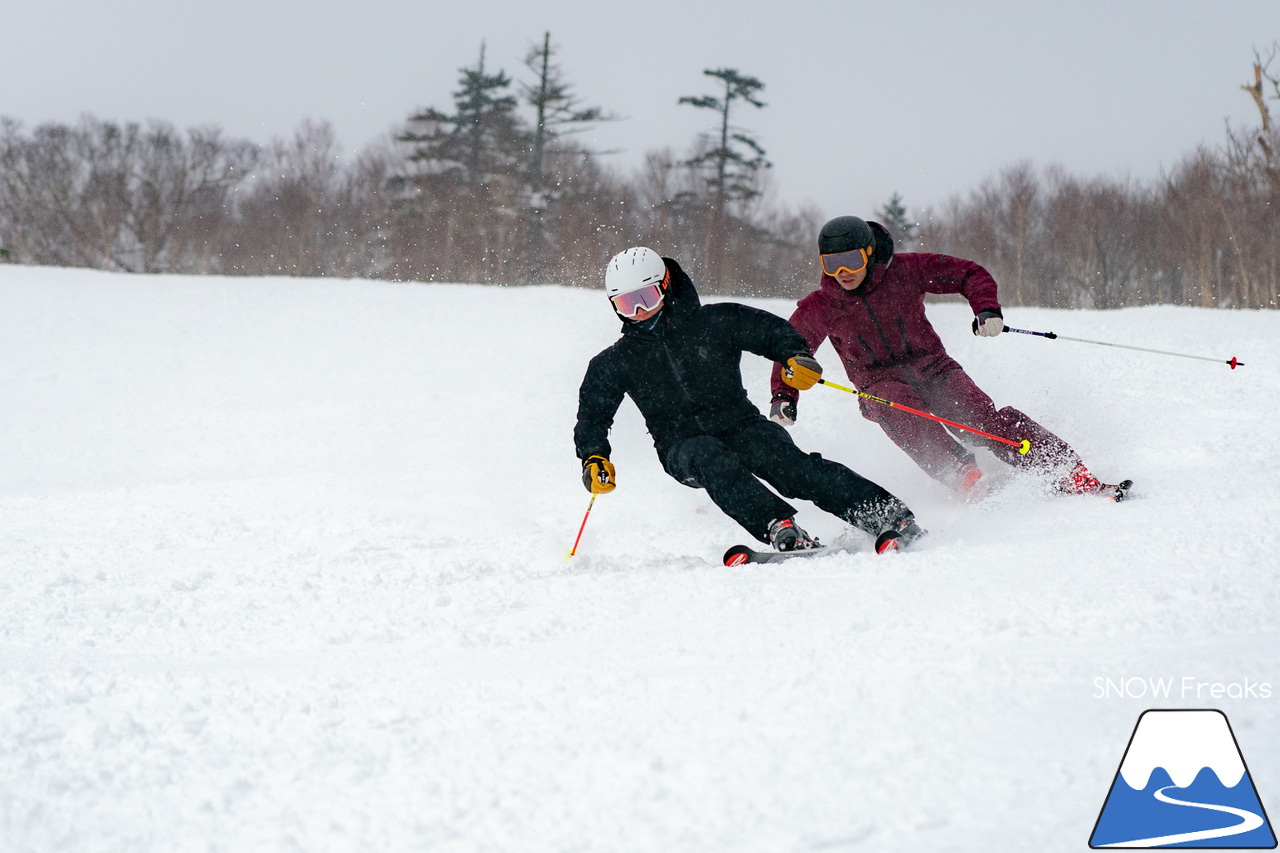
x: 740, y: 555
x: 889, y: 541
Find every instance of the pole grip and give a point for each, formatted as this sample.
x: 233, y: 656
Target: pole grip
x: 1050, y: 335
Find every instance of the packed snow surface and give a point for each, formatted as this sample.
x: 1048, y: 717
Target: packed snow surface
x: 283, y: 568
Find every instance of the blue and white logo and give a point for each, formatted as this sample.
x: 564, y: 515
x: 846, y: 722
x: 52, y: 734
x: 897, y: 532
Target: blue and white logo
x: 1183, y: 783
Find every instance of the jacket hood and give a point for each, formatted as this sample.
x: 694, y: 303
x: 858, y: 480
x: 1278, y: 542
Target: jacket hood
x: 680, y: 301
x: 879, y: 263
x: 884, y: 244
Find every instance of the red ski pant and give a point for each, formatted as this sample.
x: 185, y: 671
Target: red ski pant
x: 941, y: 387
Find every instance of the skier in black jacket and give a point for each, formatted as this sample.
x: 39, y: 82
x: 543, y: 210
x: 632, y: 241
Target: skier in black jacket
x: 680, y: 362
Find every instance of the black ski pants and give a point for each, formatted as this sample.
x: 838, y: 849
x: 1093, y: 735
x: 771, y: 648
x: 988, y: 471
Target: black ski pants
x: 727, y: 464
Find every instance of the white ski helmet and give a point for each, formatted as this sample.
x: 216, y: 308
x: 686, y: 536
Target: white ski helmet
x: 633, y: 269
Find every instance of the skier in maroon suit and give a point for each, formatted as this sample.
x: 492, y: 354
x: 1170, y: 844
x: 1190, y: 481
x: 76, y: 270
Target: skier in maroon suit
x: 871, y: 305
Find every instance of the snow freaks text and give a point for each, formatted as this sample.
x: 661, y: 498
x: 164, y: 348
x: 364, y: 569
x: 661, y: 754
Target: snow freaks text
x: 1186, y: 687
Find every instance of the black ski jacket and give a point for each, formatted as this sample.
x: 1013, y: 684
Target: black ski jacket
x: 684, y: 373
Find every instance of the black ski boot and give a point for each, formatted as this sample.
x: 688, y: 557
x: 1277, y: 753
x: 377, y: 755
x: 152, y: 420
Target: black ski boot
x: 784, y: 535
x: 899, y: 534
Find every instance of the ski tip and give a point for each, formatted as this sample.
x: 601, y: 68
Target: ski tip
x: 737, y: 555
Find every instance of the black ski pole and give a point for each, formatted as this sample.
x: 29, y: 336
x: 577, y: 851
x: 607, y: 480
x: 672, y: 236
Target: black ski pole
x: 1233, y: 361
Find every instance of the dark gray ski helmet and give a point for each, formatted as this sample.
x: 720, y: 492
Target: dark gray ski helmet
x: 845, y: 234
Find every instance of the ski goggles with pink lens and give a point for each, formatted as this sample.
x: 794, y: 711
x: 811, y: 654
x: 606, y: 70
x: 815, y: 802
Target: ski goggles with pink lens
x: 645, y: 299
x: 850, y: 262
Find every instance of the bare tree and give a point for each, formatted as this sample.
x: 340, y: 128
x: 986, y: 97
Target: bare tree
x: 178, y: 192
x: 1251, y: 208
x: 1265, y: 80
x: 286, y: 220
x: 63, y: 204
x: 116, y: 196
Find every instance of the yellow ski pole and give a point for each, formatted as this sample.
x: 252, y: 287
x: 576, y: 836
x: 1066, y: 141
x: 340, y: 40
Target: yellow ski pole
x: 1023, y: 446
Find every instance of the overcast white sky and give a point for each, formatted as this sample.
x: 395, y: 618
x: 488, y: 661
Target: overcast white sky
x: 864, y: 98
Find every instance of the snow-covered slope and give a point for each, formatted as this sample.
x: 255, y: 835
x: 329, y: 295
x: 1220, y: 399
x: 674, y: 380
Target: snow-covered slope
x: 282, y: 567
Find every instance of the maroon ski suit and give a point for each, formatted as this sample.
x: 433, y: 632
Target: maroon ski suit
x: 889, y: 349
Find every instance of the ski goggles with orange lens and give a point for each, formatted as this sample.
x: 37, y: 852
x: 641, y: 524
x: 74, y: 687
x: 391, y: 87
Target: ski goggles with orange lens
x: 850, y: 262
x: 645, y: 299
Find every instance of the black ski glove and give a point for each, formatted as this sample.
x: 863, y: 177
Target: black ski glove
x: 783, y: 411
x: 988, y: 324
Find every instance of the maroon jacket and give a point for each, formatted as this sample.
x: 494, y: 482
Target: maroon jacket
x: 882, y: 323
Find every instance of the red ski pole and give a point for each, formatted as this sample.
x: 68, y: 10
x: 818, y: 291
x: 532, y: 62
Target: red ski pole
x: 1023, y: 446
x: 581, y: 528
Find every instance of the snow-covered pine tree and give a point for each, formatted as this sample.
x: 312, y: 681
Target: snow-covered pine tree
x: 460, y: 191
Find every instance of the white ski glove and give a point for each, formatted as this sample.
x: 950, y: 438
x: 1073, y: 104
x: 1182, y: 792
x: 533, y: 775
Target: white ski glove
x: 783, y: 411
x: 988, y: 324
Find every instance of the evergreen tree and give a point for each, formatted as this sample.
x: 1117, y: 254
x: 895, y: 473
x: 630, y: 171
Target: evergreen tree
x: 557, y: 113
x: 894, y: 217
x: 461, y: 170
x: 735, y: 171
x: 728, y: 170
x: 483, y: 140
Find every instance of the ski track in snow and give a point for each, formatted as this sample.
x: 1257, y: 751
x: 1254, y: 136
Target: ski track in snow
x: 282, y: 567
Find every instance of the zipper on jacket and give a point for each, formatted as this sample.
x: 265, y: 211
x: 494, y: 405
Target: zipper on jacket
x: 902, y: 329
x: 684, y: 390
x: 876, y: 322
x: 875, y: 359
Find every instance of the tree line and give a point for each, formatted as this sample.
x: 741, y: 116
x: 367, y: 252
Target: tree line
x: 493, y: 188
x: 1205, y: 233
x: 496, y: 188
